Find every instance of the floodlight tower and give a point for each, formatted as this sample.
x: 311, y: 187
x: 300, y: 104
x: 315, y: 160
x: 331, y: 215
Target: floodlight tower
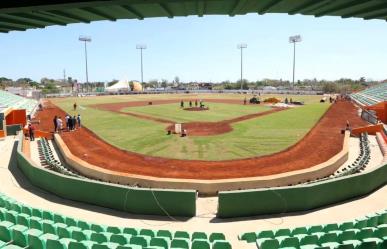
x: 85, y: 39
x: 141, y: 47
x: 294, y: 40
x: 241, y: 46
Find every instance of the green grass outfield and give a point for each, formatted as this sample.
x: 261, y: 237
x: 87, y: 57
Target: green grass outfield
x: 255, y: 137
x: 216, y: 112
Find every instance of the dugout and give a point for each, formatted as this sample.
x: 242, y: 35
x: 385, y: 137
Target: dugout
x: 12, y: 121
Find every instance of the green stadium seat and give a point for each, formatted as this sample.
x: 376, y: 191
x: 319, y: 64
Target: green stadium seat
x: 265, y: 234
x: 132, y: 231
x: 37, y: 213
x: 63, y: 232
x: 98, y: 228
x: 269, y: 244
x: 282, y: 232
x: 199, y: 235
x: 249, y: 237
x: 346, y: 225
x: 329, y: 239
x: 315, y: 229
x: 330, y: 227
x: 221, y: 245
x: 346, y: 235
x: 19, y: 237
x: 5, y: 234
x: 368, y: 245
x: 99, y: 238
x: 59, y: 219
x: 200, y: 244
x: 147, y: 232
x: 37, y: 242
x: 359, y: 224
x: 36, y: 223
x: 23, y: 219
x: 83, y: 225
x: 115, y: 230
x: 48, y: 228
x: 77, y: 245
x: 139, y: 240
x: 10, y: 216
x: 54, y: 244
x: 78, y: 236
x: 164, y: 233
x: 70, y: 222
x: 290, y: 242
x: 216, y: 236
x: 46, y: 215
x: 182, y: 234
x: 26, y: 210
x: 309, y: 240
x: 121, y: 239
x: 159, y: 242
x: 381, y: 233
x: 180, y: 243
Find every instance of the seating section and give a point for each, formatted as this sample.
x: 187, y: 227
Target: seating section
x: 50, y: 162
x: 17, y: 102
x: 24, y: 227
x: 371, y: 96
x: 358, y: 166
x: 367, y: 233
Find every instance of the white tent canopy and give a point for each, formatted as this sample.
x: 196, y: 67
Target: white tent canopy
x: 120, y: 85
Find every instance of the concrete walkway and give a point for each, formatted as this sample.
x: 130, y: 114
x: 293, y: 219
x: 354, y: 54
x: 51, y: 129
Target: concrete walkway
x: 15, y: 185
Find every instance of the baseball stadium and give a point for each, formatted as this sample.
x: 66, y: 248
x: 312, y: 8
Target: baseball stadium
x: 192, y: 170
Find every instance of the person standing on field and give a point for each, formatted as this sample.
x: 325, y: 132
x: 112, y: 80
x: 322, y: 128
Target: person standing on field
x: 60, y: 124
x: 79, y: 121
x: 75, y: 106
x: 55, y: 121
x: 31, y: 132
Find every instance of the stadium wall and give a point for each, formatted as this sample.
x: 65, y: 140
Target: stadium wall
x: 206, y: 187
x: 128, y: 199
x: 299, y: 198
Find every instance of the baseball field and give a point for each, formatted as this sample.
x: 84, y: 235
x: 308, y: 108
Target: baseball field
x: 228, y: 130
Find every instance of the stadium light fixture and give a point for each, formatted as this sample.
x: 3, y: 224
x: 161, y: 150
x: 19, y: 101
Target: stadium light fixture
x: 85, y: 39
x: 141, y: 47
x: 241, y: 46
x: 294, y: 39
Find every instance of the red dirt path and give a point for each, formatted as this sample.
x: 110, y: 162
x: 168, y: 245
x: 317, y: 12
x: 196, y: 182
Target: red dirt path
x: 320, y: 144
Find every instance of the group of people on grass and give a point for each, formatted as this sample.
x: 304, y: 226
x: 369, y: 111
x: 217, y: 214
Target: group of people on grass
x: 72, y: 122
x: 200, y: 102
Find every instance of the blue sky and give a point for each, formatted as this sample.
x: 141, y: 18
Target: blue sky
x: 201, y: 49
